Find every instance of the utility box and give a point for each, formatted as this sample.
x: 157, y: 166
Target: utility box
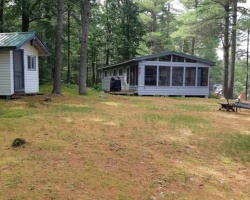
x: 115, y: 84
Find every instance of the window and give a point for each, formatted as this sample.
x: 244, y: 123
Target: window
x: 178, y: 59
x: 202, y: 76
x: 190, y: 76
x: 105, y: 73
x: 150, y: 75
x: 31, y: 62
x: 165, y: 58
x: 177, y: 76
x: 120, y: 72
x: 110, y: 73
x: 164, y: 76
x: 114, y: 72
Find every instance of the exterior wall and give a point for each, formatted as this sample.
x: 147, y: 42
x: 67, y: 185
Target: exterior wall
x: 133, y: 87
x: 31, y: 77
x: 5, y: 73
x: 170, y: 90
x: 124, y: 84
x: 182, y: 77
x: 11, y: 72
x: 106, y: 83
x: 174, y: 91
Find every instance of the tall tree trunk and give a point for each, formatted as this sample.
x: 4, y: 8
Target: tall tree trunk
x: 247, y: 76
x: 68, y: 75
x: 25, y: 16
x: 192, y: 46
x: 233, y: 51
x: 58, y: 59
x: 84, y: 46
x: 153, y: 29
x: 108, y: 39
x: 1, y: 15
x: 168, y: 19
x: 94, y: 52
x: 226, y: 50
x: 193, y: 39
x: 25, y: 22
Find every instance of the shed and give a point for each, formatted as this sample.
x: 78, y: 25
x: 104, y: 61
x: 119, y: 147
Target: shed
x: 19, y: 66
x: 168, y: 73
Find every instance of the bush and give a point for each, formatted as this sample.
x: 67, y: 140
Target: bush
x: 97, y: 87
x: 214, y: 96
x: 45, y: 74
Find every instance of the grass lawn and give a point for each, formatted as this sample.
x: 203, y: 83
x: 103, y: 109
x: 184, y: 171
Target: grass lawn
x: 103, y: 147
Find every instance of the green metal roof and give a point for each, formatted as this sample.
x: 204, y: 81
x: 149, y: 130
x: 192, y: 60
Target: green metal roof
x: 17, y: 39
x: 137, y: 59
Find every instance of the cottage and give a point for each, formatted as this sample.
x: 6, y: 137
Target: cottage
x: 167, y: 74
x: 19, y: 66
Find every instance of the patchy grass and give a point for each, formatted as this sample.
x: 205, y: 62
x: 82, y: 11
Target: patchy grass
x: 236, y: 145
x: 102, y: 146
x: 15, y: 113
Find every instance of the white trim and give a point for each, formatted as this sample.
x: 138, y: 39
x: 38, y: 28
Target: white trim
x: 31, y: 63
x: 174, y: 64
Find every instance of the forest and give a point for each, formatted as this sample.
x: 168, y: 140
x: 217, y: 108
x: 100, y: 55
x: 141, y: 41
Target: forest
x: 118, y: 30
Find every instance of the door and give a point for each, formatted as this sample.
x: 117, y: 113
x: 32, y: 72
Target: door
x: 18, y: 71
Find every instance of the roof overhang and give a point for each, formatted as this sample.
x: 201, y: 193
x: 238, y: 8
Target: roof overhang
x: 23, y: 38
x: 141, y: 58
x: 40, y: 46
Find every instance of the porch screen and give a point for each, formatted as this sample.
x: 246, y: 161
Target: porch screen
x: 164, y: 76
x: 202, y: 76
x: 150, y: 75
x: 177, y: 76
x: 190, y: 76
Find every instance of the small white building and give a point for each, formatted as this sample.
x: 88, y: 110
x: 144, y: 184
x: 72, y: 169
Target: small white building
x: 19, y: 66
x: 217, y: 88
x: 167, y: 74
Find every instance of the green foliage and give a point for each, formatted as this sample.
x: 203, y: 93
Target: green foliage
x: 216, y: 74
x: 45, y: 74
x: 123, y: 28
x: 97, y: 87
x: 240, y: 78
x: 214, y: 96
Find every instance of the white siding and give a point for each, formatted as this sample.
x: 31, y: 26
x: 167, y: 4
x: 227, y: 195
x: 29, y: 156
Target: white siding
x: 11, y: 72
x: 106, y: 83
x: 5, y: 74
x: 173, y: 91
x: 31, y: 77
